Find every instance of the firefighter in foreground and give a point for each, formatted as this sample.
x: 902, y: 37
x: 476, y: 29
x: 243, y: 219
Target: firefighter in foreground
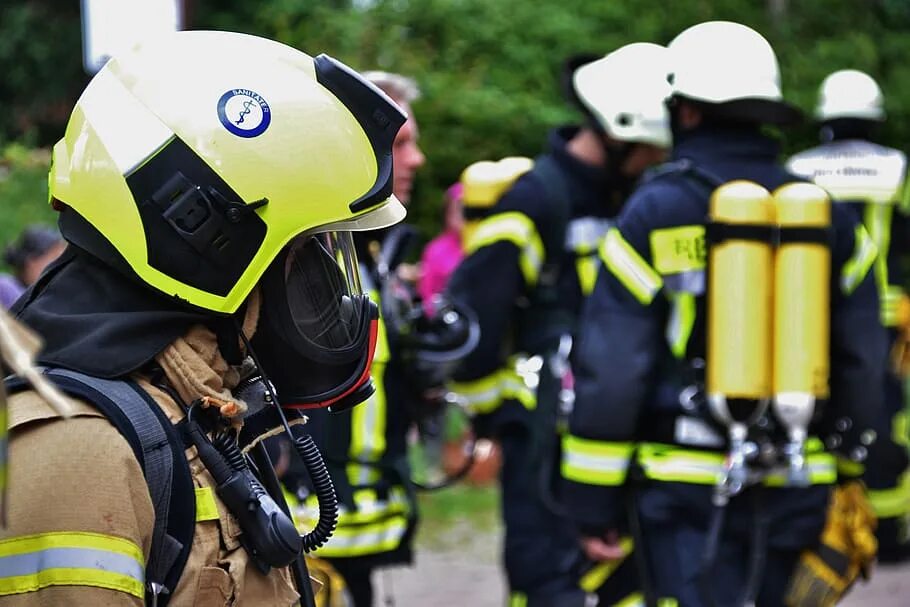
x: 201, y: 243
x: 870, y: 179
x: 705, y: 413
x: 537, y: 243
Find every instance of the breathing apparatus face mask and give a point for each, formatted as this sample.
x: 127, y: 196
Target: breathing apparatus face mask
x: 317, y: 329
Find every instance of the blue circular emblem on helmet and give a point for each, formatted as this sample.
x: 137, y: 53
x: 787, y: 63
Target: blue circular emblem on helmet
x: 244, y: 112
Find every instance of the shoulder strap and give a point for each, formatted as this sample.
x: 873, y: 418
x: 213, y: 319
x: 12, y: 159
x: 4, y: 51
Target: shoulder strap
x: 704, y: 180
x: 159, y: 450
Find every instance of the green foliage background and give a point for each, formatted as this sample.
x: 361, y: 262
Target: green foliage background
x: 489, y: 69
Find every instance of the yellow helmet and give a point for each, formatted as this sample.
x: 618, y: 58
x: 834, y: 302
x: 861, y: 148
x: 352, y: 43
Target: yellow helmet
x: 193, y: 159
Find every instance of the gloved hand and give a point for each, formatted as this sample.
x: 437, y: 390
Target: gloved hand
x: 846, y: 550
x: 900, y: 351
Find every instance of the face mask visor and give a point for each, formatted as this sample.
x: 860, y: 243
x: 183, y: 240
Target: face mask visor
x: 317, y: 332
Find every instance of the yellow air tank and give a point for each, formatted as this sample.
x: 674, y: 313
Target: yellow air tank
x: 802, y: 275
x: 740, y: 300
x: 484, y: 184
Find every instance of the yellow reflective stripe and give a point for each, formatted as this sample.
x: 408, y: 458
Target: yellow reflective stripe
x: 681, y: 322
x: 368, y: 428
x: 382, y: 354
x: 822, y: 471
x: 518, y: 599
x: 903, y: 203
x: 33, y: 562
x: 486, y: 394
x: 900, y: 433
x: 628, y: 266
x: 595, y: 462
x: 518, y: 229
x: 856, y: 268
x: 672, y: 464
x: 877, y: 220
x: 677, y: 250
x: 586, y: 267
x: 358, y: 540
x: 4, y: 453
x: 668, y: 463
x: 595, y: 577
x: 206, y: 508
x: 636, y: 599
x: 891, y: 297
x: 848, y: 467
x: 893, y: 502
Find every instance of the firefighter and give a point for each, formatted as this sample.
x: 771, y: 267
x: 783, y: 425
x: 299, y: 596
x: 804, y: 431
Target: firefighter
x: 201, y: 243
x: 724, y: 500
x: 530, y: 262
x: 870, y: 180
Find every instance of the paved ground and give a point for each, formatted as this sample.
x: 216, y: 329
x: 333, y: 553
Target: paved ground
x: 458, y: 565
x: 447, y: 580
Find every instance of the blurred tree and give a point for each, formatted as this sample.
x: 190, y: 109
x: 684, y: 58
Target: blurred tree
x: 488, y: 68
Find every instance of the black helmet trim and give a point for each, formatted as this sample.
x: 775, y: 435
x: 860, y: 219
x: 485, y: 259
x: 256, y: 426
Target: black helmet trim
x: 197, y: 228
x: 378, y: 115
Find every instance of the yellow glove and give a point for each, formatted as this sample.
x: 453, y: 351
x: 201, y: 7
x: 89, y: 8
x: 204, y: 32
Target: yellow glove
x: 846, y: 551
x: 900, y: 351
x: 328, y: 585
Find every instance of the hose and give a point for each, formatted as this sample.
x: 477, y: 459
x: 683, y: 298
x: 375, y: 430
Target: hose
x: 758, y: 552
x: 325, y: 493
x: 709, y: 556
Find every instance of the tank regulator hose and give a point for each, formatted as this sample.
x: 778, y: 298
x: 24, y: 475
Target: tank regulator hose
x: 325, y: 493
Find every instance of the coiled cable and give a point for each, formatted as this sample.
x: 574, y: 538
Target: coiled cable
x: 325, y: 493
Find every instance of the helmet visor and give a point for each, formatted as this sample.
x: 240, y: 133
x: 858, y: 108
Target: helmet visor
x: 324, y: 298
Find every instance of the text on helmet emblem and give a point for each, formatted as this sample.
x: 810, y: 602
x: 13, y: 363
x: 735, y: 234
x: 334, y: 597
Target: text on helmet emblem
x: 244, y: 112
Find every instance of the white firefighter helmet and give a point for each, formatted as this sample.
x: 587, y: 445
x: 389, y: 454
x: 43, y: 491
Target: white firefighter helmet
x: 729, y: 64
x: 626, y: 91
x: 849, y: 94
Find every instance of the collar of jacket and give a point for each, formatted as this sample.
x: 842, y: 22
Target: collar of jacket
x: 708, y: 145
x: 96, y: 321
x: 591, y: 189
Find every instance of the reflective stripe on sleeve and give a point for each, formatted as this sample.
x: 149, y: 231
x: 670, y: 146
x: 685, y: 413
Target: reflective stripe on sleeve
x: 595, y: 462
x: 856, y: 268
x: 680, y: 323
x: 486, y: 394
x: 894, y: 502
x: 628, y: 266
x: 586, y: 267
x: 32, y: 562
x: 518, y: 229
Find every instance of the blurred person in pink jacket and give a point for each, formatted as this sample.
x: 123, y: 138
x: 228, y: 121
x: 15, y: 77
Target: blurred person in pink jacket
x: 442, y: 254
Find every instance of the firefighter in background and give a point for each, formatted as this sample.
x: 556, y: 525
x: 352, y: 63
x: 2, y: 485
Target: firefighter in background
x: 870, y: 179
x: 365, y: 447
x: 528, y: 266
x: 645, y: 341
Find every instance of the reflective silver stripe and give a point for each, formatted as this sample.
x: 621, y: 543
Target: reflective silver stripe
x: 71, y: 558
x: 692, y: 281
x: 583, y: 235
x: 365, y: 539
